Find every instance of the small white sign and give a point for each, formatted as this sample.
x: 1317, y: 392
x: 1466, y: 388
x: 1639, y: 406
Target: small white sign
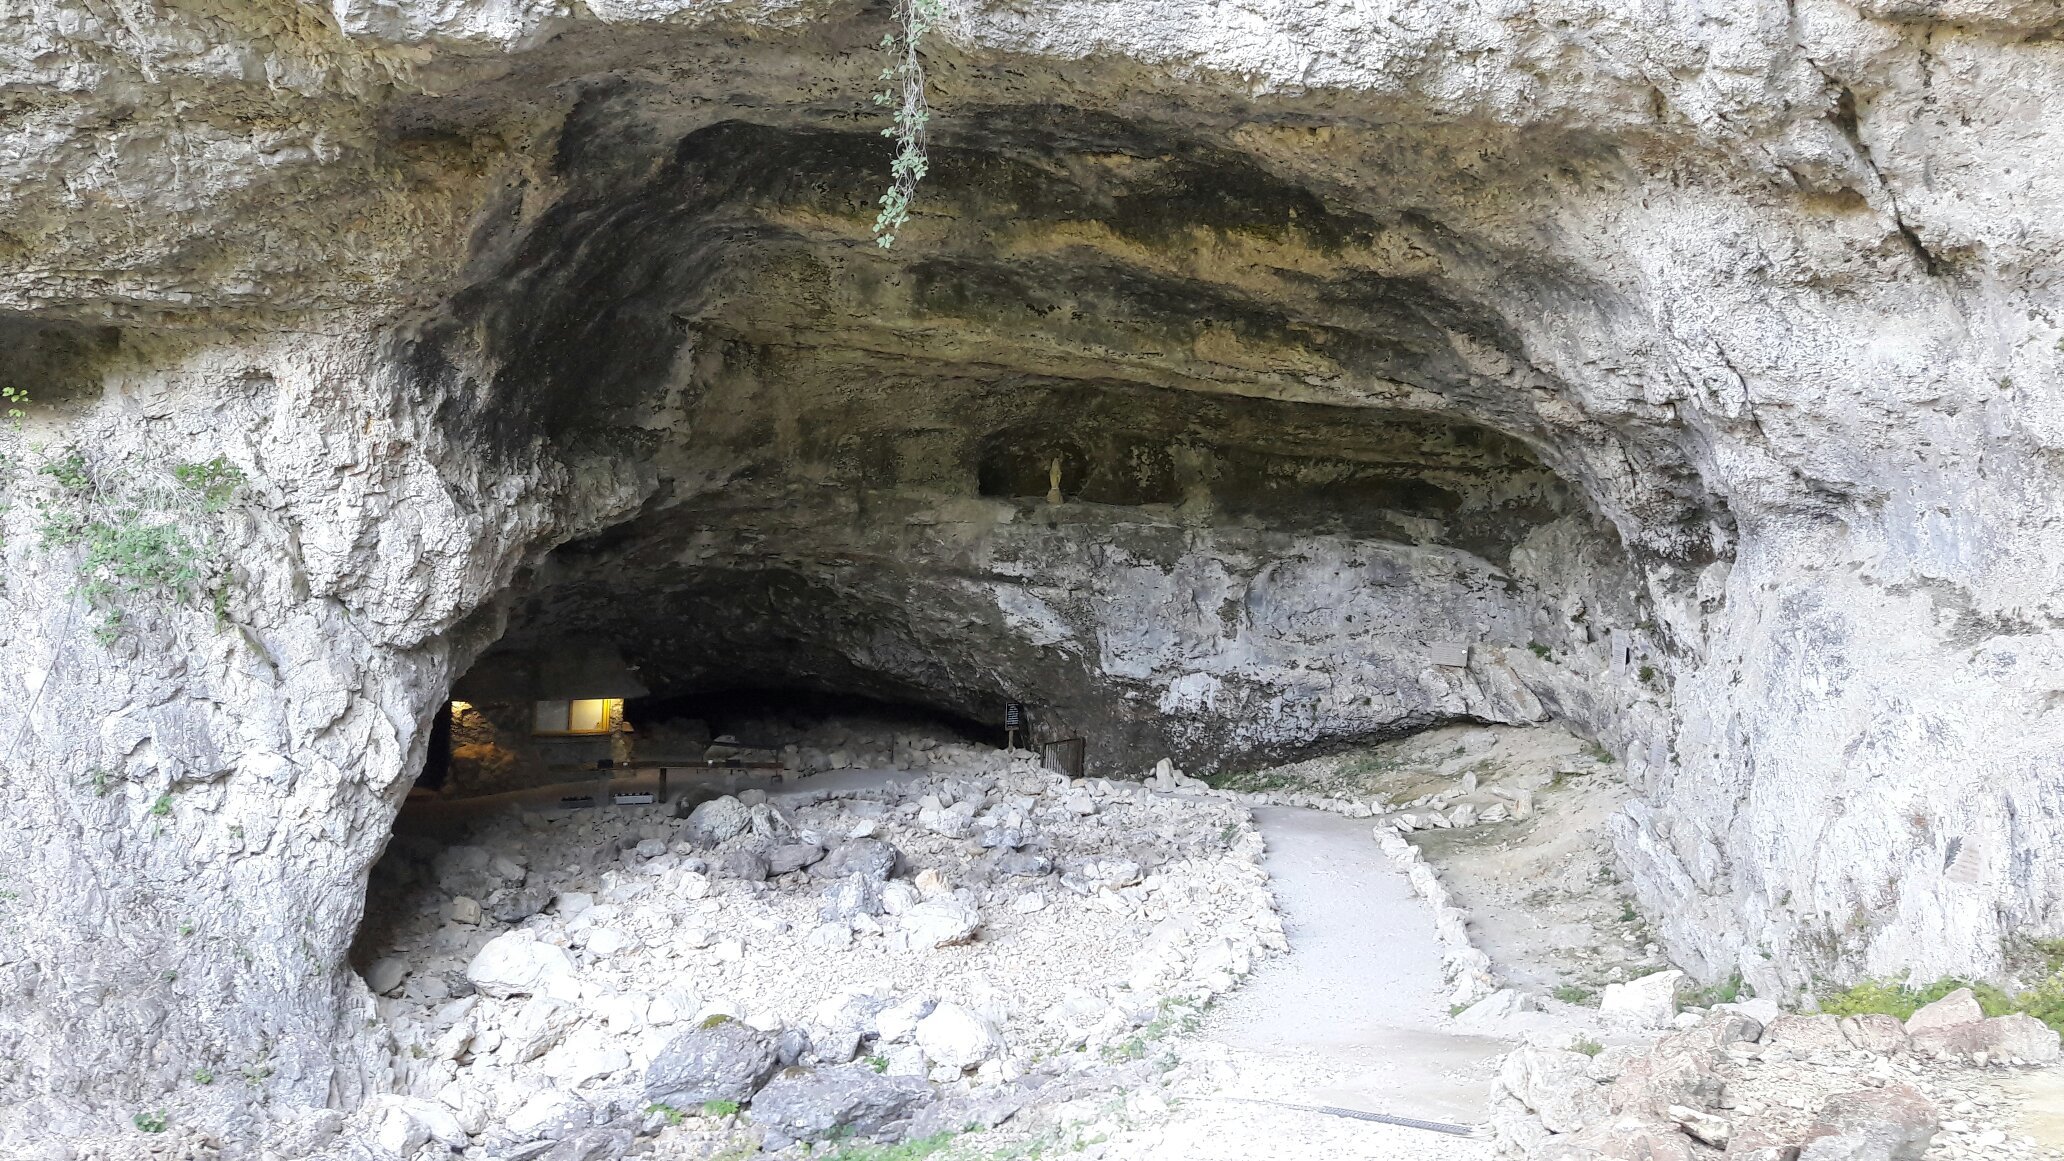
x: 634, y: 799
x: 1452, y: 653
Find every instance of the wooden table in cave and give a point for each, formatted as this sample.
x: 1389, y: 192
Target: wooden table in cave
x: 615, y: 781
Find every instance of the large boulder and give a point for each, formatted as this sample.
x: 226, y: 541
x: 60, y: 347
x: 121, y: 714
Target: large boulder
x: 746, y: 863
x: 1556, y: 1085
x: 954, y: 1037
x: 717, y: 820
x: 1650, y: 1000
x: 723, y: 1060
x: 1958, y: 1007
x: 1873, y: 1032
x: 2003, y: 1038
x: 865, y: 856
x: 941, y: 923
x: 1624, y: 1138
x: 848, y: 1102
x: 856, y: 894
x: 516, y: 963
x: 792, y: 857
x: 1806, y: 1034
x: 1893, y: 1123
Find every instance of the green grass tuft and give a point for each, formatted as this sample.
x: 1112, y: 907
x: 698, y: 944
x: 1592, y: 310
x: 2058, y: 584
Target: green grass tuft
x: 2044, y: 1001
x: 907, y: 1151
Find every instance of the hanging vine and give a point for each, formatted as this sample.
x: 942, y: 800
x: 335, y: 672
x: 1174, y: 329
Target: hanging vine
x: 903, y: 87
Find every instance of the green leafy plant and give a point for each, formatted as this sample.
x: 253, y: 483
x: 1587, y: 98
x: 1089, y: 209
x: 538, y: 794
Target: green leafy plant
x: 1646, y: 673
x: 878, y: 1063
x: 903, y: 88
x: 1727, y: 991
x: 1586, y: 1045
x: 720, y: 1108
x: 673, y: 1115
x: 13, y: 399
x: 150, y: 1122
x: 2044, y: 1001
x: 203, y: 1076
x: 907, y: 1151
x: 1573, y: 994
x: 1539, y: 650
x: 163, y: 806
x: 70, y: 472
x: 216, y: 480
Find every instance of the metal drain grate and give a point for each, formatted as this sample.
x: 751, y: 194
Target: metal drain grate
x: 1361, y: 1115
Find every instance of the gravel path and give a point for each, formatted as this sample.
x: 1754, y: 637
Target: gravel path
x: 1351, y: 1017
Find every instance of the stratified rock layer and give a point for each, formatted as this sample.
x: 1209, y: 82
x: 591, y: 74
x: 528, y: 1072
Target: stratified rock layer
x: 1697, y: 370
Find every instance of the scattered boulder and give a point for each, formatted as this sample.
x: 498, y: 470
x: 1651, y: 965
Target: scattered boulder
x: 1503, y: 1004
x: 386, y: 974
x: 1714, y: 1131
x: 1893, y: 1123
x: 848, y: 1101
x: 1875, y: 1033
x: 722, y: 1060
x: 856, y: 894
x: 870, y: 857
x: 941, y: 923
x: 1958, y: 1007
x: 792, y: 857
x: 2002, y: 1038
x: 956, y: 1038
x: 1556, y: 1085
x: 745, y: 863
x: 1025, y: 864
x: 515, y: 963
x: 518, y: 905
x: 717, y: 820
x: 1650, y: 1000
x: 549, y: 1115
x: 1624, y: 1138
x: 1806, y: 1034
x: 609, y: 1142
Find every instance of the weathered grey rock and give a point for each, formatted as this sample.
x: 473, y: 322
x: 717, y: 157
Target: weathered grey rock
x: 869, y: 857
x: 607, y: 1142
x: 1555, y: 1085
x: 1893, y: 1123
x: 1875, y: 1033
x: 386, y: 974
x: 856, y: 894
x: 1650, y: 1000
x: 941, y: 923
x: 1624, y: 1138
x: 723, y: 1060
x: 955, y: 1038
x: 792, y: 857
x: 1026, y: 864
x: 1805, y: 1034
x: 746, y: 863
x: 550, y: 1115
x: 518, y: 905
x: 1999, y: 1039
x: 850, y: 1101
x: 1958, y: 1007
x: 716, y: 821
x: 515, y: 963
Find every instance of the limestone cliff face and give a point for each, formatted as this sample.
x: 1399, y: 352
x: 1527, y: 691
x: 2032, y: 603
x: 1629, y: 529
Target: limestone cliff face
x: 1715, y: 350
